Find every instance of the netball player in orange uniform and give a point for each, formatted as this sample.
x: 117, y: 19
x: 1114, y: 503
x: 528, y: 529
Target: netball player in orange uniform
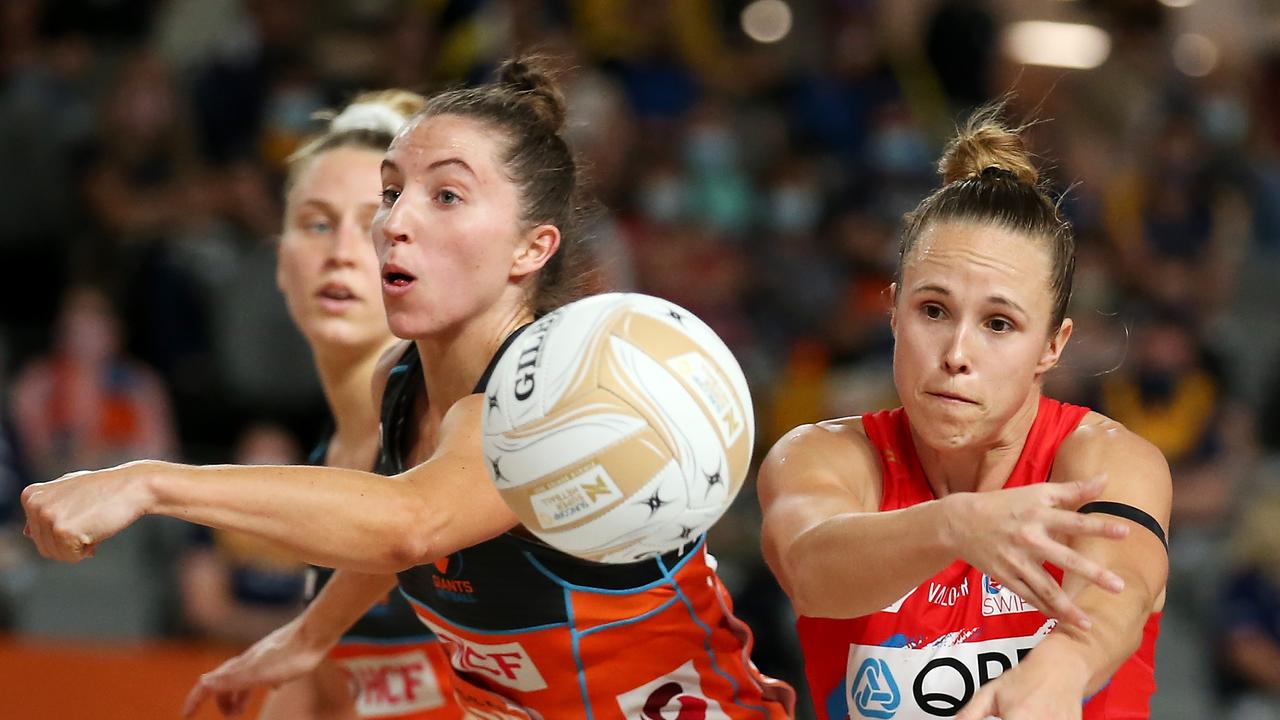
x: 924, y: 547
x: 475, y: 238
x: 329, y: 276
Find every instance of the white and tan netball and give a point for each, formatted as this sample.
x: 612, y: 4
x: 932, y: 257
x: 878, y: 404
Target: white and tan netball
x: 618, y: 427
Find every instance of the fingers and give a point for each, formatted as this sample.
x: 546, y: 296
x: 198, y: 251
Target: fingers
x: 1072, y: 495
x: 1070, y: 522
x: 1076, y: 563
x: 983, y: 704
x: 1045, y: 593
x: 195, y: 698
x: 232, y: 702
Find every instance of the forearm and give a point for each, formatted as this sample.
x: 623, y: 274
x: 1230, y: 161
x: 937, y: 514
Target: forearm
x: 855, y: 564
x: 1118, y: 621
x: 328, y: 516
x: 345, y: 598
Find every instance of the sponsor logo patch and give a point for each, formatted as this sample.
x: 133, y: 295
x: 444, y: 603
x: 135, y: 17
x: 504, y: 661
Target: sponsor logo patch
x: 711, y: 390
x: 675, y: 696
x: 1000, y: 600
x: 507, y: 664
x: 933, y: 680
x: 394, y: 684
x: 575, y: 497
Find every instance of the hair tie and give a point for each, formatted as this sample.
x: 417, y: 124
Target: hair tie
x: 995, y: 172
x: 371, y: 116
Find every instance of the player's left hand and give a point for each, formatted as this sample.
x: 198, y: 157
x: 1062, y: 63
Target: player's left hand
x: 68, y: 517
x: 1044, y: 686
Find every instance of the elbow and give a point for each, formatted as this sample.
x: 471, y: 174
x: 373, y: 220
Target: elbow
x: 801, y: 581
x: 412, y: 539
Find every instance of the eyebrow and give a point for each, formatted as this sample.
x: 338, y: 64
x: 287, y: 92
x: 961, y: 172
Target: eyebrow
x: 388, y: 164
x: 328, y: 206
x: 451, y: 161
x: 994, y: 299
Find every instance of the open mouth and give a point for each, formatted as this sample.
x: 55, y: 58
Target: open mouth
x: 337, y: 292
x: 396, y: 278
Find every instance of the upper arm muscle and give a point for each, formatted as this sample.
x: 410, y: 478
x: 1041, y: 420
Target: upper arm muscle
x: 812, y: 474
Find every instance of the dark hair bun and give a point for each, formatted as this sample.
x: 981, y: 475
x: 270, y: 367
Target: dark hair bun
x: 530, y: 80
x: 986, y: 148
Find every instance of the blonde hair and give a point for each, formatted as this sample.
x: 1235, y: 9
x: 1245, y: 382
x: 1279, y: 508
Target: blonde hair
x: 371, y: 120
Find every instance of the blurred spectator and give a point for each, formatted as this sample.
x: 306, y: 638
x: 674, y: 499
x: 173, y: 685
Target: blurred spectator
x: 236, y: 587
x: 1171, y: 392
x: 85, y: 404
x: 1249, y: 620
x: 145, y: 187
x: 45, y: 116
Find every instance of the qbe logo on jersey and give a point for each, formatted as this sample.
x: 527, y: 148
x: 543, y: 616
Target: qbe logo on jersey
x: 934, y: 681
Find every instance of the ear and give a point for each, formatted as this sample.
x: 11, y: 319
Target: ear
x: 892, y: 293
x: 534, y: 250
x: 1054, y: 347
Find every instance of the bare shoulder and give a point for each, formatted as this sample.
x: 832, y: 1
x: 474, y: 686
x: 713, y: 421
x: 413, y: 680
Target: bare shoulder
x: 382, y: 370
x: 1137, y: 473
x: 832, y: 454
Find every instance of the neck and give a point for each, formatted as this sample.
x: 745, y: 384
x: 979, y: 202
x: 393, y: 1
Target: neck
x: 454, y: 360
x: 346, y: 375
x: 981, y: 466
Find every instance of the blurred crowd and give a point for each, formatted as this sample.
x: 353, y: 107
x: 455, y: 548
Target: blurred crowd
x: 759, y: 185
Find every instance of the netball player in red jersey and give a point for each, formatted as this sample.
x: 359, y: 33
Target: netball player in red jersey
x: 475, y: 239
x: 924, y: 547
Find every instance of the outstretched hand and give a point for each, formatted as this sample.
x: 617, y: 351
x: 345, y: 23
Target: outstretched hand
x: 272, y: 661
x: 1010, y: 535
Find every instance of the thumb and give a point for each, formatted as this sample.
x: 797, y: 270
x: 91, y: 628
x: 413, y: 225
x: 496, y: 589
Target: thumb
x: 982, y: 706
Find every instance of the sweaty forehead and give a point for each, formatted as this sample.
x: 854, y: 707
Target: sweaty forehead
x: 432, y: 140
x: 976, y: 250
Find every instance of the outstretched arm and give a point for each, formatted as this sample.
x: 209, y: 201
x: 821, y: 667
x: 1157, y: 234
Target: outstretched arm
x: 294, y: 649
x: 837, y: 555
x: 1074, y: 663
x: 328, y: 516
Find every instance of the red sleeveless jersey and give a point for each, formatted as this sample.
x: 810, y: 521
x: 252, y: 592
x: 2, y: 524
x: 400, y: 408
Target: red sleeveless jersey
x: 926, y: 654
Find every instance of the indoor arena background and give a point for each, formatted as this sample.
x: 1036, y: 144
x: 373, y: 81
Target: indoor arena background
x: 754, y: 159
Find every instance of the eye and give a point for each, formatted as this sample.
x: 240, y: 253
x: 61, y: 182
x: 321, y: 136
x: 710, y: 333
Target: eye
x: 448, y: 197
x: 1000, y: 325
x: 389, y: 196
x: 932, y: 311
x: 316, y: 226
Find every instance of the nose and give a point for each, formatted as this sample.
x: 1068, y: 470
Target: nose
x: 956, y: 358
x: 348, y: 242
x: 394, y: 224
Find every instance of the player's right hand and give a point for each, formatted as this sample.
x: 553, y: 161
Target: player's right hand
x: 68, y: 517
x: 274, y: 660
x: 1010, y: 535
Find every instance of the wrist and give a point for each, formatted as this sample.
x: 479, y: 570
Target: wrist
x: 144, y: 480
x: 1071, y: 658
x: 952, y: 511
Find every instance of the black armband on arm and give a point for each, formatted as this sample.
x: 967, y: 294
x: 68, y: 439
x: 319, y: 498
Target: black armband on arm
x: 1128, y: 512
